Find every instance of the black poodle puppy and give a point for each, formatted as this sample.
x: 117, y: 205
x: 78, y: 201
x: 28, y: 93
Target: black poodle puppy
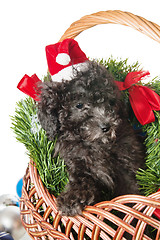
x: 95, y: 139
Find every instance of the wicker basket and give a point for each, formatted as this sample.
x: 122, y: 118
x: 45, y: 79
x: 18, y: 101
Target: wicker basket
x: 38, y: 208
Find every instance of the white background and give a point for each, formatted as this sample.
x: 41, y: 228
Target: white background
x: 26, y: 27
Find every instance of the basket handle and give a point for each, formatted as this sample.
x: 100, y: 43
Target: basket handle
x: 141, y: 24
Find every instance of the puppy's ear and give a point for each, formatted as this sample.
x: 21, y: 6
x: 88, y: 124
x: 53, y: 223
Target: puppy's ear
x: 48, y: 109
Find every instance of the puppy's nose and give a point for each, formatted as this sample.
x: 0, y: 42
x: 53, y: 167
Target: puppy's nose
x: 105, y: 127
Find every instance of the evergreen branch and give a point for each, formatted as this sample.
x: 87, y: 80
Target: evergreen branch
x: 120, y: 68
x: 149, y: 179
x: 28, y: 131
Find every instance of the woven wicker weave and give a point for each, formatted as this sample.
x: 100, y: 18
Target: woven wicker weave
x: 38, y: 208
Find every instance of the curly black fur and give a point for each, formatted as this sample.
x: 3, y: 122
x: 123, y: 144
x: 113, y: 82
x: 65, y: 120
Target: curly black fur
x: 98, y: 144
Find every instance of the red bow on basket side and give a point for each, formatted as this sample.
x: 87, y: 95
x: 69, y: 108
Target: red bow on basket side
x: 30, y: 86
x: 143, y: 100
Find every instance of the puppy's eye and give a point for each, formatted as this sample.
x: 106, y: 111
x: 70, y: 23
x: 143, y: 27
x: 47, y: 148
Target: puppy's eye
x: 79, y: 105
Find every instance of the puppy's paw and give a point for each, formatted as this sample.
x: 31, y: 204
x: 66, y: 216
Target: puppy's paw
x: 69, y: 205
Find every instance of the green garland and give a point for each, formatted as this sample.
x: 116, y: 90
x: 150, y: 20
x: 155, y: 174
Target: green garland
x: 52, y: 170
x: 149, y: 179
x: 29, y: 132
x: 119, y: 68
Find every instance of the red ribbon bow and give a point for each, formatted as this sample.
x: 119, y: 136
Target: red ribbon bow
x: 143, y: 100
x: 30, y: 86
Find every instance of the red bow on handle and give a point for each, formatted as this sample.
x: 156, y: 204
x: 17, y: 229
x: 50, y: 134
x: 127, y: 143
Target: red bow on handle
x: 143, y: 100
x: 30, y: 86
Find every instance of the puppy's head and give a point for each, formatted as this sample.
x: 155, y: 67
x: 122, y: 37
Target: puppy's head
x: 88, y: 106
